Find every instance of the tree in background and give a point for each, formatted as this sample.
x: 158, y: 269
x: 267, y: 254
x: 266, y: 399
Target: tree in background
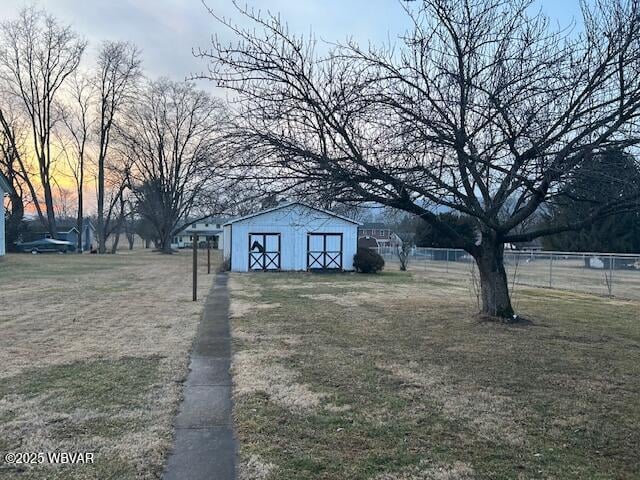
x: 116, y: 81
x: 37, y: 55
x: 78, y: 123
x: 145, y: 230
x: 117, y: 196
x: 130, y: 228
x: 12, y: 146
x: 427, y: 236
x: 169, y: 135
x: 483, y: 108
x: 612, y: 174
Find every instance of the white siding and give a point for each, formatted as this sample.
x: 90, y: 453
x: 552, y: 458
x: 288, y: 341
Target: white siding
x: 2, y: 239
x: 185, y: 239
x: 293, y: 223
x: 226, y: 241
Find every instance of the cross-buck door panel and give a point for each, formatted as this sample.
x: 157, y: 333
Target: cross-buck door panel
x: 264, y: 251
x: 324, y: 251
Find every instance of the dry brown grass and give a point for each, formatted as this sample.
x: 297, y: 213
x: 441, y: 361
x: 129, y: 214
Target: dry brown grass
x: 563, y: 274
x: 256, y: 469
x: 425, y: 471
x: 93, y: 349
x: 392, y: 377
x: 261, y: 368
x: 489, y: 414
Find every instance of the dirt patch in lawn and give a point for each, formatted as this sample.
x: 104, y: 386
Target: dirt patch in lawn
x: 486, y: 412
x: 240, y: 308
x: 255, y: 468
x: 457, y: 471
x: 260, y: 371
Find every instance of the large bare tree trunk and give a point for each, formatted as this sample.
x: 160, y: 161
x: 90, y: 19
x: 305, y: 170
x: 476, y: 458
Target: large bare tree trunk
x: 165, y: 243
x: 14, y: 224
x: 79, y: 220
x: 119, y: 70
x: 116, y: 242
x: 100, y: 224
x: 494, y: 288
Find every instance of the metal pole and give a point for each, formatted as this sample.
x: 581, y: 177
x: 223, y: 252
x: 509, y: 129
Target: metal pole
x: 551, y: 270
x: 194, y: 245
x: 612, y: 260
x: 208, y: 256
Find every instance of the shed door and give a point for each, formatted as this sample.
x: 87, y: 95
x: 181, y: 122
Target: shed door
x: 264, y: 251
x: 324, y: 251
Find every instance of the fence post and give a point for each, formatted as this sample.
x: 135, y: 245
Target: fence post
x: 551, y: 270
x: 208, y: 256
x: 612, y: 260
x: 194, y: 245
x: 447, y: 261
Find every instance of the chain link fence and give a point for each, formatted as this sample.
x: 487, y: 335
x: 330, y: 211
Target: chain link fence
x: 606, y: 274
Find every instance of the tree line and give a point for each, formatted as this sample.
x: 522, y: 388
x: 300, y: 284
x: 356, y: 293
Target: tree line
x: 147, y: 145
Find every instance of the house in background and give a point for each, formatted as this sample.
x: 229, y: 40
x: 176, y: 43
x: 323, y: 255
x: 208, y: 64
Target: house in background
x: 5, y: 189
x: 377, y: 231
x: 208, y: 230
x: 68, y: 231
x: 291, y: 237
x: 70, y: 235
x: 89, y: 239
x: 377, y: 234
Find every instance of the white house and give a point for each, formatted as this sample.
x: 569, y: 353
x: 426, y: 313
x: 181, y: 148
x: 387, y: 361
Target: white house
x: 208, y: 229
x: 291, y: 236
x: 5, y: 188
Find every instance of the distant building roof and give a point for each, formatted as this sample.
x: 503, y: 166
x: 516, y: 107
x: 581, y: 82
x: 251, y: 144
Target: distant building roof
x: 374, y: 226
x: 288, y: 204
x: 214, y: 220
x: 59, y: 231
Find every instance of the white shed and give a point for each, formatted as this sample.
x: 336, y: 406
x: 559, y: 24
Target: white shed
x: 292, y: 236
x: 5, y: 188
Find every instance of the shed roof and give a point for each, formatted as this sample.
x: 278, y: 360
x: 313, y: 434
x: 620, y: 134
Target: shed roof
x: 289, y: 204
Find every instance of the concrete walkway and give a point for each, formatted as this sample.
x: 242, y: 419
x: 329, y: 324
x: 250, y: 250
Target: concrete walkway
x: 204, y: 444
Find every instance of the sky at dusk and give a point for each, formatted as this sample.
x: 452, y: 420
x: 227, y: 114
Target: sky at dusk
x: 167, y: 30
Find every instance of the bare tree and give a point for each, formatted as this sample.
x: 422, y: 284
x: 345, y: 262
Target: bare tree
x: 169, y: 135
x: 12, y: 147
x: 118, y: 73
x: 37, y: 54
x: 481, y: 106
x: 116, y: 195
x: 123, y: 211
x: 78, y: 123
x: 130, y: 224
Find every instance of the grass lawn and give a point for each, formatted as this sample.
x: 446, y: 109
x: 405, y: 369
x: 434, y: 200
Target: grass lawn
x: 391, y: 377
x: 92, y: 350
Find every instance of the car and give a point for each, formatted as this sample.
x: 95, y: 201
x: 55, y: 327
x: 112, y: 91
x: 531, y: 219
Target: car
x: 47, y: 245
